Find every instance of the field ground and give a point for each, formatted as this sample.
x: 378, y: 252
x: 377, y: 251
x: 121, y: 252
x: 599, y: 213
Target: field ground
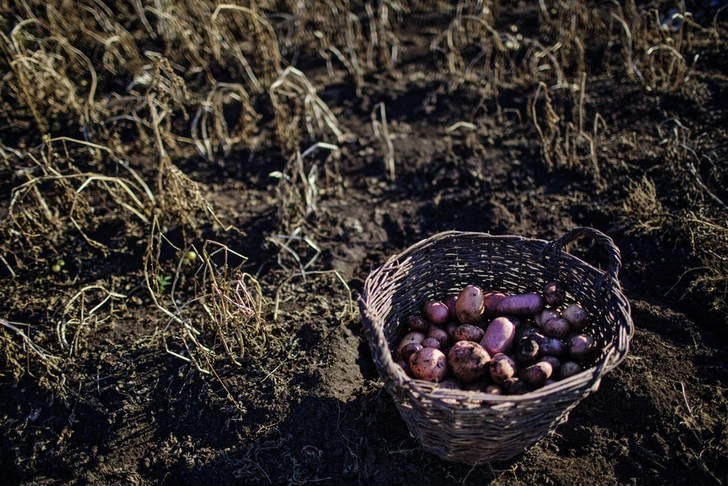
x: 192, y: 195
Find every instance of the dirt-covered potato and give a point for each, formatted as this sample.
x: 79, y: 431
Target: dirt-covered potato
x: 557, y: 327
x: 502, y: 367
x: 582, y: 348
x: 526, y: 330
x: 468, y: 332
x: 550, y: 346
x: 554, y: 294
x: 410, y: 337
x: 569, y: 369
x: 410, y: 349
x: 544, y: 316
x: 515, y: 386
x: 536, y: 374
x: 527, y: 349
x: 450, y: 329
x: 416, y: 323
x: 553, y: 361
x: 431, y: 342
x: 468, y: 361
x: 470, y: 306
x: 440, y: 334
x: 428, y: 364
x: 576, y: 315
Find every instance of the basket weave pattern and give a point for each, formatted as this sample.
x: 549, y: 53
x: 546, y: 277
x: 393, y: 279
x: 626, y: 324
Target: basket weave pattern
x: 473, y: 427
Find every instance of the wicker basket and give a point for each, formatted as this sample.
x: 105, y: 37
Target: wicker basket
x: 473, y: 427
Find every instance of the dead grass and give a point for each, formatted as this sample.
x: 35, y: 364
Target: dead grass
x: 571, y: 26
x: 642, y: 207
x: 688, y: 162
x: 49, y: 74
x: 655, y: 45
x: 300, y: 114
x: 231, y: 29
x: 210, y: 129
x: 225, y: 316
x: 57, y: 198
x: 299, y: 189
x: 569, y: 139
x: 472, y: 47
x: 83, y: 313
x: 360, y: 42
x: 709, y: 240
x: 22, y: 356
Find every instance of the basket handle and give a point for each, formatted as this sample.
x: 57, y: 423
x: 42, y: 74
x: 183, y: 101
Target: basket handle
x: 615, y: 260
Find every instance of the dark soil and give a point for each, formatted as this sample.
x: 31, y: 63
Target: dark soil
x: 305, y: 404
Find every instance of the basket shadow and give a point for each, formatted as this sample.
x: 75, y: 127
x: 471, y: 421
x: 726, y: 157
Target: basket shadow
x: 326, y: 440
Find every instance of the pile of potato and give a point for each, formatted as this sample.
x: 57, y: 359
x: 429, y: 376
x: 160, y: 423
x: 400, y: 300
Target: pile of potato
x: 497, y: 343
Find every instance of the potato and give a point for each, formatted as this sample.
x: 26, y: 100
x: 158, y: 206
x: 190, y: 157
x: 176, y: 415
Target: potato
x: 557, y: 327
x: 501, y: 367
x: 410, y: 349
x: 582, y: 348
x: 576, y: 315
x: 554, y: 294
x: 449, y: 301
x: 490, y: 301
x: 494, y: 390
x: 544, y: 316
x: 428, y: 364
x: 439, y: 334
x: 515, y: 386
x: 552, y: 347
x: 518, y: 321
x: 520, y: 304
x: 553, y: 361
x: 526, y: 330
x: 450, y: 329
x: 468, y: 332
x: 436, y: 312
x: 410, y: 337
x: 527, y: 349
x: 416, y: 323
x: 498, y: 336
x: 405, y: 367
x: 569, y: 369
x: 430, y: 342
x: 468, y: 361
x: 451, y: 384
x: 470, y: 306
x: 536, y: 374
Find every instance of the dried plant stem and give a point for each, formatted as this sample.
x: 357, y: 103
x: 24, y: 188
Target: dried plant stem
x: 48, y: 359
x: 384, y: 136
x: 628, y: 48
x: 83, y: 318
